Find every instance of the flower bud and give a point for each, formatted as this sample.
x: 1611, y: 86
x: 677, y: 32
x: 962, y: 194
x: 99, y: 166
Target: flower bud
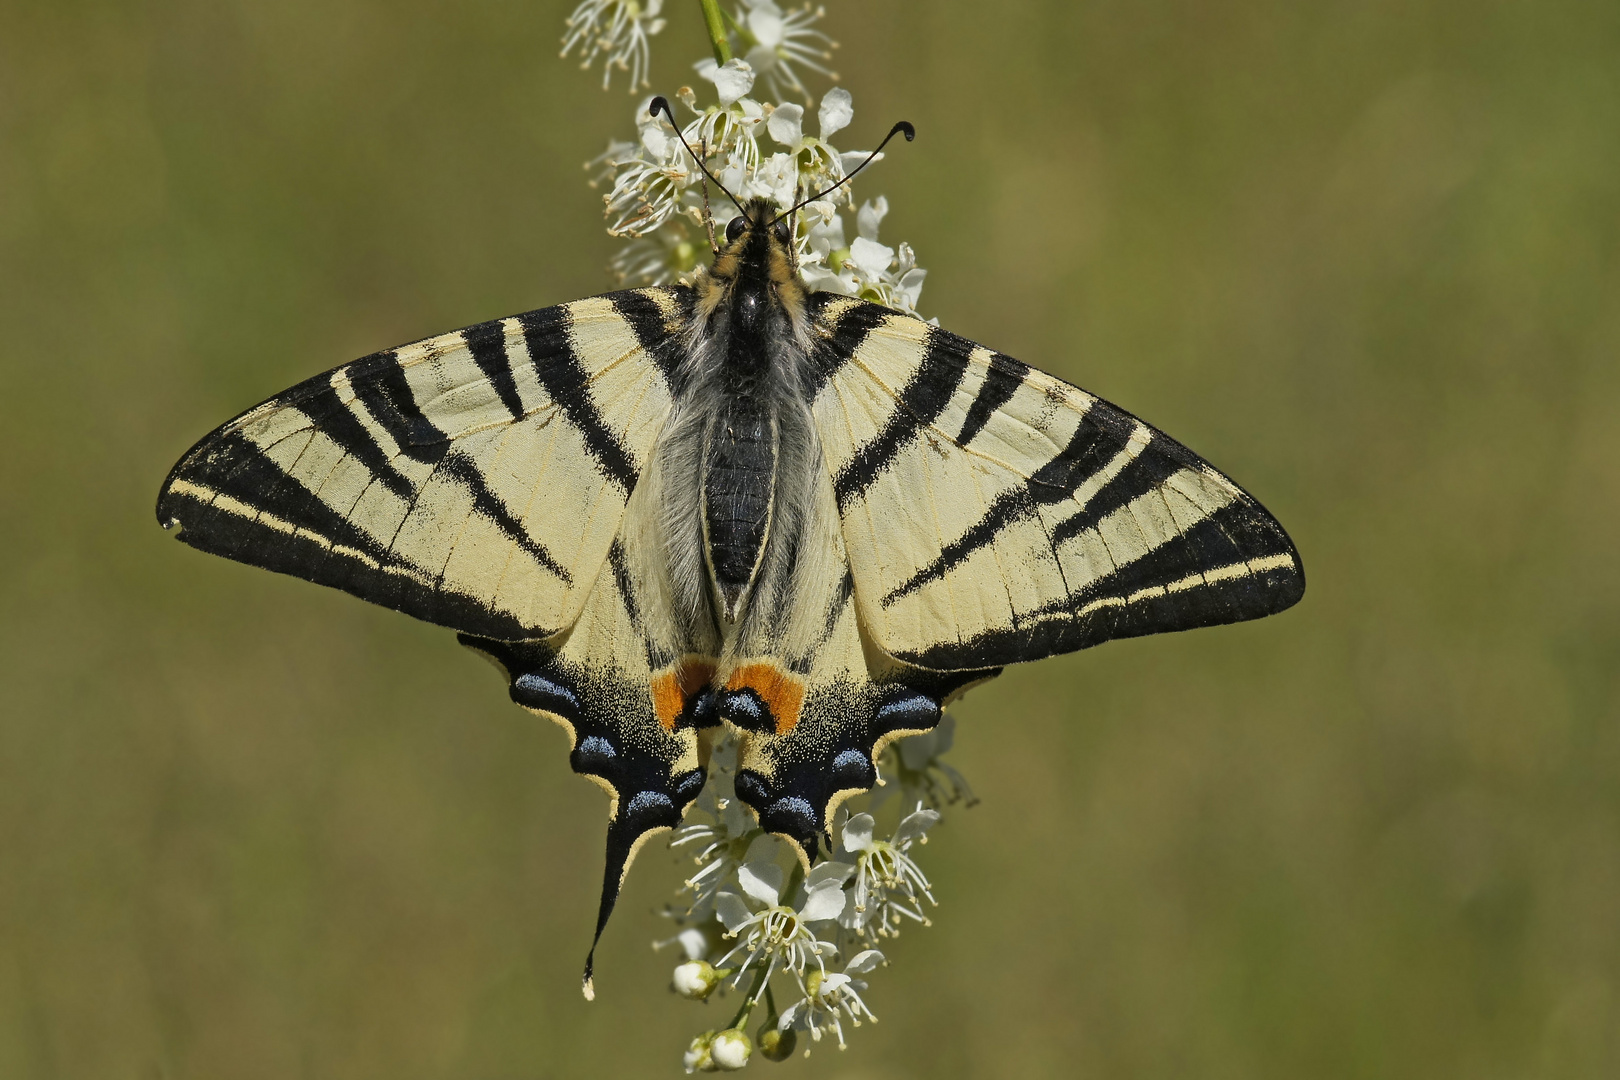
x: 699, y: 1055
x: 776, y: 1044
x: 812, y: 984
x: 695, y: 979
x: 731, y: 1049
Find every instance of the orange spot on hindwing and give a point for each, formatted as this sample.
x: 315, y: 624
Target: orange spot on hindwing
x: 782, y: 692
x: 675, y: 686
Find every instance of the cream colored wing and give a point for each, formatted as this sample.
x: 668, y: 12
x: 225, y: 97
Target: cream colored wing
x: 474, y: 480
x: 637, y: 711
x: 996, y: 514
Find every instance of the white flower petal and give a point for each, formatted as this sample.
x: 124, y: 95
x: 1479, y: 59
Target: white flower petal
x: 833, y: 983
x: 765, y: 22
x: 917, y: 750
x: 858, y: 833
x: 870, y: 215
x: 821, y: 279
x: 825, y: 209
x: 762, y: 881
x: 824, y: 902
x: 731, y: 1049
x: 732, y: 80
x: 731, y: 911
x: 837, y: 110
x: 911, y: 284
x: 850, y: 160
x: 864, y: 962
x: 655, y: 141
x: 827, y: 237
x: 945, y: 731
x: 786, y: 125
x: 762, y: 58
x: 870, y: 257
x: 693, y: 943
x: 828, y: 871
x: 919, y: 821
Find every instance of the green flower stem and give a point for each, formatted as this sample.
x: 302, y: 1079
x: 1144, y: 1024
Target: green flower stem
x: 713, y: 19
x: 751, y: 1000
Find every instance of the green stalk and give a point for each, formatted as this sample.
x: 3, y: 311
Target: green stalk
x: 753, y: 999
x: 713, y: 20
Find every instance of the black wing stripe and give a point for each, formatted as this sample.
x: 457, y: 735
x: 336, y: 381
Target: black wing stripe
x: 387, y: 397
x: 919, y: 404
x: 486, y: 504
x: 649, y: 322
x: 1095, y: 443
x: 835, y: 608
x: 1005, y: 508
x: 1001, y: 381
x: 487, y: 344
x: 1146, y: 471
x: 338, y: 423
x: 623, y: 584
x: 838, y: 344
x: 564, y: 379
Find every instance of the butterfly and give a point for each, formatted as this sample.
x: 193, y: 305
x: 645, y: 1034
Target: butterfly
x: 801, y: 517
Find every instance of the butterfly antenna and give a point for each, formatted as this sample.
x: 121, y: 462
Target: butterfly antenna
x: 660, y: 104
x: 903, y: 126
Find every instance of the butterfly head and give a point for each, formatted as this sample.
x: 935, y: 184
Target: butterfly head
x: 758, y: 264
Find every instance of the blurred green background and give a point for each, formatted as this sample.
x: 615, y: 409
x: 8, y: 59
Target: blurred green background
x: 1362, y: 255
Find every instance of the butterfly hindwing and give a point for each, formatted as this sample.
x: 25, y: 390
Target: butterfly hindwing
x: 639, y: 714
x: 815, y: 701
x: 474, y: 479
x: 996, y: 514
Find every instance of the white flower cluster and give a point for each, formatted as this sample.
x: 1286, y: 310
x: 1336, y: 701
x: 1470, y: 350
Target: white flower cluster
x: 660, y: 203
x: 748, y: 923
x: 617, y: 31
x: 773, y: 41
x: 752, y: 920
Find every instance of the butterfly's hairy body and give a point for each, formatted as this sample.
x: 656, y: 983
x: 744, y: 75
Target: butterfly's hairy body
x: 805, y: 517
x: 740, y: 417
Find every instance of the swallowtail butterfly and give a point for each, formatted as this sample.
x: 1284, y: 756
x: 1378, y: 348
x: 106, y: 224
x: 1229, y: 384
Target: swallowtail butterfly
x: 805, y: 517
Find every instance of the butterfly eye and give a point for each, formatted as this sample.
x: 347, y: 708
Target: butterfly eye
x: 735, y: 228
x: 783, y: 232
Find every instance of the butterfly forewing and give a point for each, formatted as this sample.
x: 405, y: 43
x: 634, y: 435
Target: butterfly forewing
x: 996, y: 514
x: 474, y: 479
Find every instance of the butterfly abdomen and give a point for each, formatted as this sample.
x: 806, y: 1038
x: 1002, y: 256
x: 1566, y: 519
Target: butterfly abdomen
x: 739, y: 477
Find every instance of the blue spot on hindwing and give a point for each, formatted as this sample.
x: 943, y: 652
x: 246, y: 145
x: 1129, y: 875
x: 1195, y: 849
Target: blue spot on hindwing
x: 593, y: 753
x: 649, y: 808
x: 745, y: 709
x: 852, y: 769
x: 751, y: 788
x: 791, y: 815
x: 538, y: 692
x: 688, y: 786
x: 911, y: 711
